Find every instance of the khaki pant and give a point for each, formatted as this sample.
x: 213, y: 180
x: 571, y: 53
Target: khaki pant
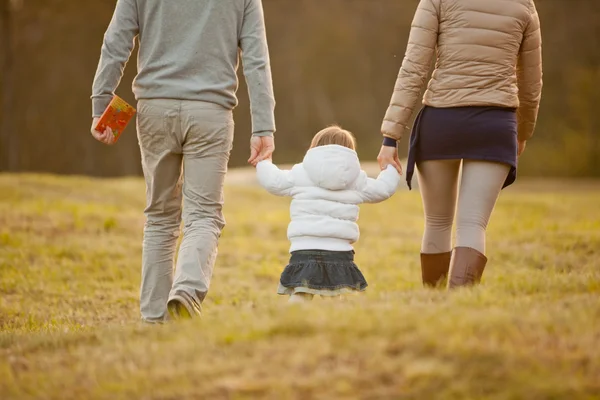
x: 480, y: 185
x: 185, y: 148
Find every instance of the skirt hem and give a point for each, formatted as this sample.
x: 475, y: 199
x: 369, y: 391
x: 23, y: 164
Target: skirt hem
x: 286, y: 291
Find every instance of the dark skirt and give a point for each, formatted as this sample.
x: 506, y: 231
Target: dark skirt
x: 464, y: 133
x: 320, y: 272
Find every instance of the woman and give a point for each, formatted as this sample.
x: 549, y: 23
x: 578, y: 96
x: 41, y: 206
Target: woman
x: 481, y: 107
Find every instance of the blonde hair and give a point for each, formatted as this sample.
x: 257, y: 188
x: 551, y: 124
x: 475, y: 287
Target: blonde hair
x: 334, y: 135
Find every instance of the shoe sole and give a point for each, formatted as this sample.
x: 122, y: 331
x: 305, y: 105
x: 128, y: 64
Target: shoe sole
x: 178, y: 309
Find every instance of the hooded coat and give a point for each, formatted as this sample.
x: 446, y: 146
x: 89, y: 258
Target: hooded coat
x: 326, y: 189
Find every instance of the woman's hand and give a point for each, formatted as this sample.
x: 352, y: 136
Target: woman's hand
x: 388, y: 155
x: 105, y: 137
x: 522, y: 145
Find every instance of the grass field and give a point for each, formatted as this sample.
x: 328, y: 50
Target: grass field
x: 70, y: 251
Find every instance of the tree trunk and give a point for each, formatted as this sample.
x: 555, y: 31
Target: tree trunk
x: 9, y: 154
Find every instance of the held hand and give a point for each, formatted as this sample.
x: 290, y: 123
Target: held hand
x: 522, y: 145
x: 389, y: 156
x: 261, y: 148
x: 105, y: 137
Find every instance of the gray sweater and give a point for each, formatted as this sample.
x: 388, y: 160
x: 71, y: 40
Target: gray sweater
x: 189, y: 51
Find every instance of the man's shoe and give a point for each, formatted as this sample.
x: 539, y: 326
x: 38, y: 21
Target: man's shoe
x: 180, y: 306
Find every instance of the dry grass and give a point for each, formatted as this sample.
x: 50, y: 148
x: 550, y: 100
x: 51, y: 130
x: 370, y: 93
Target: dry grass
x: 70, y: 252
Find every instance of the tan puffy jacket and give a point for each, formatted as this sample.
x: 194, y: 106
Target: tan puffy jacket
x: 489, y: 53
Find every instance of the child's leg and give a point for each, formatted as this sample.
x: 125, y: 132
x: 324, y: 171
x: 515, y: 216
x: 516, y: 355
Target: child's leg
x: 301, y: 298
x: 338, y: 297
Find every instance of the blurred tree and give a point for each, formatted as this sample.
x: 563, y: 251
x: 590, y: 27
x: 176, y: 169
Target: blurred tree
x: 8, y: 140
x: 583, y: 101
x: 333, y: 61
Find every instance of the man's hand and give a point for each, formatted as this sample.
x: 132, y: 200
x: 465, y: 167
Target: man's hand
x: 261, y: 148
x: 522, y: 145
x: 105, y: 137
x: 388, y: 155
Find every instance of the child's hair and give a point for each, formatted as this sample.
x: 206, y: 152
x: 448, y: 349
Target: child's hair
x: 334, y: 135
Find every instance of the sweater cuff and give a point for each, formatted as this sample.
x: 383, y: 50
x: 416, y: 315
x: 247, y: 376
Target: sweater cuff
x: 389, y: 142
x: 262, y: 133
x: 99, y: 105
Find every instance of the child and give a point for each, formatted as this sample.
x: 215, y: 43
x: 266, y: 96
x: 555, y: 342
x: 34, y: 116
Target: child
x: 326, y: 190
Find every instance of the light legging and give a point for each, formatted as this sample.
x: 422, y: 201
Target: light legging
x: 476, y: 188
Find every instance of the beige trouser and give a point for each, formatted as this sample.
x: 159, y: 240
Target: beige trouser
x: 480, y: 185
x: 185, y: 148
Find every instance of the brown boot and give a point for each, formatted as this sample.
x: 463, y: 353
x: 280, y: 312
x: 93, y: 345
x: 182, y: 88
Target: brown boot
x: 434, y: 268
x: 466, y: 267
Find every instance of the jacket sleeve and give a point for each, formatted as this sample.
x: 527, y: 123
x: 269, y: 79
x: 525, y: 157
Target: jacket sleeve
x: 274, y: 180
x: 415, y: 67
x: 529, y: 76
x: 382, y: 188
x: 257, y: 69
x: 119, y: 40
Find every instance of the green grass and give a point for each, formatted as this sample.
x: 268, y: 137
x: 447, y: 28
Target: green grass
x: 70, y: 251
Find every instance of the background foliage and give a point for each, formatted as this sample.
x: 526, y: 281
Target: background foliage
x: 333, y: 61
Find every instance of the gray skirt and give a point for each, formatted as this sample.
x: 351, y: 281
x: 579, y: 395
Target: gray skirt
x: 320, y: 272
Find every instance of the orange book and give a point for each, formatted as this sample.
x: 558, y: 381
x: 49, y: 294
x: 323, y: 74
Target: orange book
x: 116, y: 116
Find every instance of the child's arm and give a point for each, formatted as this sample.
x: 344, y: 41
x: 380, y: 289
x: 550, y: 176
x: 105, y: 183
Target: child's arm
x: 274, y: 180
x: 382, y: 188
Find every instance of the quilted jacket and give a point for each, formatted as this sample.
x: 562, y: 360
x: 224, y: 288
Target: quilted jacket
x: 488, y: 53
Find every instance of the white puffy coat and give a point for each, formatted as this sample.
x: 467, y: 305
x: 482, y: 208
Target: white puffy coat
x: 326, y: 190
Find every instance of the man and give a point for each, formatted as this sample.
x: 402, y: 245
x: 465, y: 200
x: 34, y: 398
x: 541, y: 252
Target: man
x: 185, y: 88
